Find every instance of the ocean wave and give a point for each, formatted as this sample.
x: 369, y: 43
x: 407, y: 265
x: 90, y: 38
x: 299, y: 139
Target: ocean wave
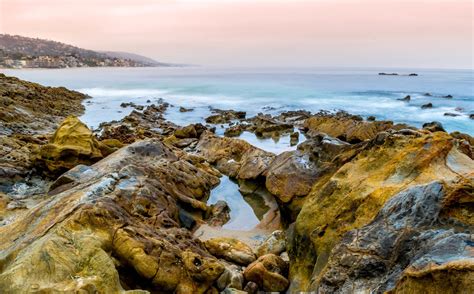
x: 112, y: 92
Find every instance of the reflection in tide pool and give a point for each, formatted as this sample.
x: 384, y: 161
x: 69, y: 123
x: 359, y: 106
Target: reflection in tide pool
x: 276, y: 146
x: 242, y: 216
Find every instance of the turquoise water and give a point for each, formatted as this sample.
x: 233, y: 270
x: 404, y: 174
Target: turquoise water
x: 358, y: 91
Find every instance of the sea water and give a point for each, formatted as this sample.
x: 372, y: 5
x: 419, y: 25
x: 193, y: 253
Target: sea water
x: 270, y: 90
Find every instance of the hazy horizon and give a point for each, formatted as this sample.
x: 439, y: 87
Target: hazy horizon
x: 320, y: 33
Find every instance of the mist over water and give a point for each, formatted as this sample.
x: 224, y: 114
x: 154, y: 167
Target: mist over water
x: 358, y: 91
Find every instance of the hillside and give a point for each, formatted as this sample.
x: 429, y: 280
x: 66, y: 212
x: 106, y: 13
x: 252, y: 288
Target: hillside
x: 24, y: 52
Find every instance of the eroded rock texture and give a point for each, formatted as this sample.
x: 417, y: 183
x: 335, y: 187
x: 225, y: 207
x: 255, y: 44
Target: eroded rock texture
x: 28, y: 113
x: 408, y: 247
x: 113, y: 226
x: 353, y: 196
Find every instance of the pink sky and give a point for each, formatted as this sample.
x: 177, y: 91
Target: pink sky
x: 352, y: 33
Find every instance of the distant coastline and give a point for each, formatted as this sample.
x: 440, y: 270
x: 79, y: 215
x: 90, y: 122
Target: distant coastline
x: 19, y: 52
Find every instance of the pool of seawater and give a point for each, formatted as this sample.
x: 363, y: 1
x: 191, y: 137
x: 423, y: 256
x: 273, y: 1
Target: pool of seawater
x: 243, y: 216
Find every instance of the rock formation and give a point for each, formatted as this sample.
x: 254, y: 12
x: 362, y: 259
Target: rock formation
x: 115, y: 227
x: 352, y: 197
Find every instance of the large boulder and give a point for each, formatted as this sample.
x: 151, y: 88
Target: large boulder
x: 114, y: 226
x: 407, y: 247
x: 293, y: 173
x: 352, y: 196
x: 72, y: 144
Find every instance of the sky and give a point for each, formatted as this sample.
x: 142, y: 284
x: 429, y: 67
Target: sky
x: 342, y: 33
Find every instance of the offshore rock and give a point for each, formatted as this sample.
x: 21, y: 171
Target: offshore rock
x: 112, y: 227
x: 352, y: 197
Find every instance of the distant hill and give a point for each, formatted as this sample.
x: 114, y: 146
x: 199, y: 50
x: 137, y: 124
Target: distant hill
x: 23, y: 52
x: 136, y: 57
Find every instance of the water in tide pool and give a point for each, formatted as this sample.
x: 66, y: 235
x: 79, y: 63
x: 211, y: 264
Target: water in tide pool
x: 242, y: 216
x: 358, y: 91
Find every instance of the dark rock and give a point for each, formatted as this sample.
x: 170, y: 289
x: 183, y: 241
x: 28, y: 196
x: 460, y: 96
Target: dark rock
x: 451, y: 114
x: 406, y: 99
x: 294, y: 138
x: 251, y: 288
x: 225, y: 116
x: 434, y: 127
x: 400, y: 237
x: 427, y: 94
x: 234, y: 131
x: 448, y: 96
x: 371, y: 118
x: 219, y: 214
x: 183, y: 109
x: 131, y: 104
x: 426, y: 106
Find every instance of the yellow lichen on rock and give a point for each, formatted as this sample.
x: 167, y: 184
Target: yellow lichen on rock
x: 73, y: 143
x: 355, y: 193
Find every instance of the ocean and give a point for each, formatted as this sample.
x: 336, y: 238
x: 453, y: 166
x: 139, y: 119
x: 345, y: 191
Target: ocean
x: 270, y: 90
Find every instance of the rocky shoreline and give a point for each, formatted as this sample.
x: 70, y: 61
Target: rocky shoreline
x: 359, y: 206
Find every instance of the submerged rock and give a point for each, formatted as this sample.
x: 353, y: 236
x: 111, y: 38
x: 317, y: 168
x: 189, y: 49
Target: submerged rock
x: 219, y: 214
x: 406, y: 99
